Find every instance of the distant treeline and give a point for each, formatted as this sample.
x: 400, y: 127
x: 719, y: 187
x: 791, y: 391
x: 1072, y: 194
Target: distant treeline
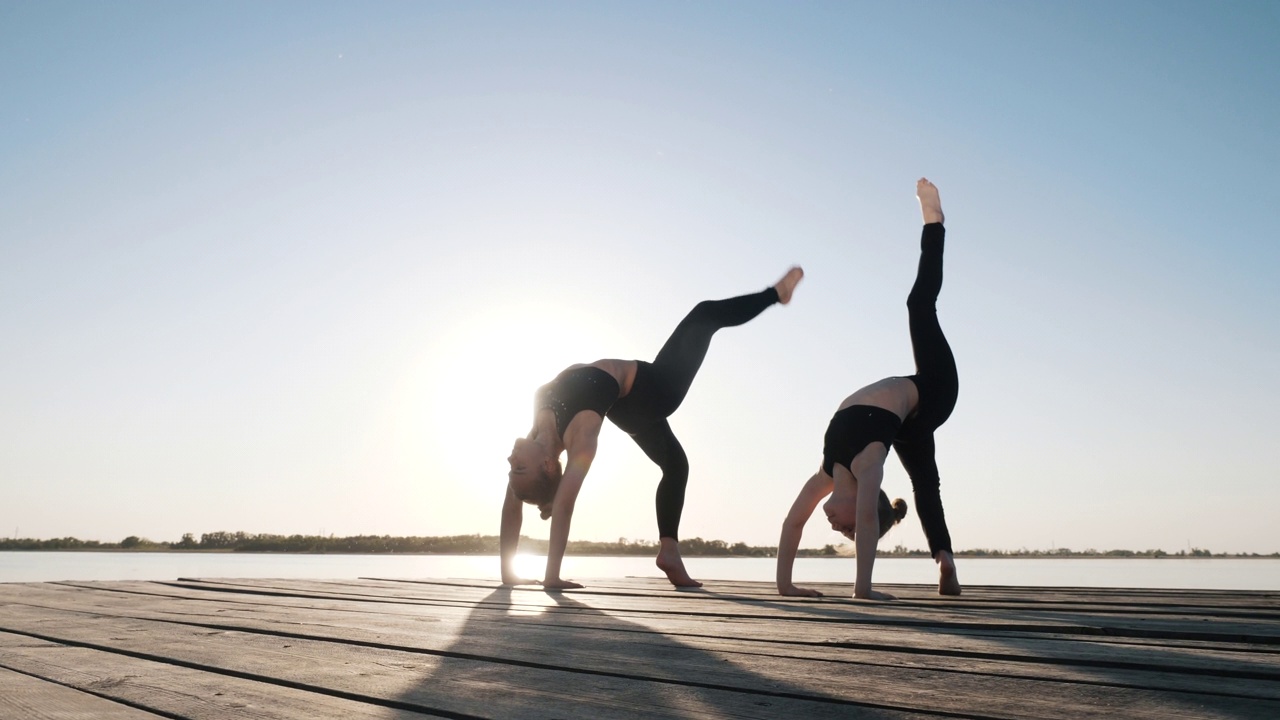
x: 387, y: 544
x: 488, y: 545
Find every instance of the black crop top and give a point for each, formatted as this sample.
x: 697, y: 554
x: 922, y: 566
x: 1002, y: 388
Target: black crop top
x: 854, y: 428
x: 575, y: 390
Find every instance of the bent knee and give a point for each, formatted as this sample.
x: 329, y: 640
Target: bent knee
x: 922, y: 302
x: 676, y: 469
x: 702, y: 310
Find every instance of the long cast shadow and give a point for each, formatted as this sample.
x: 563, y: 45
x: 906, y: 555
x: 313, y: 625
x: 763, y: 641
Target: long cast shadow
x: 562, y: 658
x: 1244, y: 686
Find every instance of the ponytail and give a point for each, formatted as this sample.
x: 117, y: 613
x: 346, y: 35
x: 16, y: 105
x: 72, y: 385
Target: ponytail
x: 890, y: 514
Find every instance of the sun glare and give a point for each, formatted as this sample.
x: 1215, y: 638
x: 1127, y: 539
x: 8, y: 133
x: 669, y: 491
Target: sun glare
x: 530, y: 603
x: 480, y: 375
x: 530, y: 566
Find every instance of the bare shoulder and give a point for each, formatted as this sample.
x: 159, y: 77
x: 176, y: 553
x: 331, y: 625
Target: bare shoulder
x: 898, y: 395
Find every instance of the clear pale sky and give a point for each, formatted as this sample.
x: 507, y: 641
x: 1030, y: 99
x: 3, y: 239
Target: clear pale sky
x: 299, y: 267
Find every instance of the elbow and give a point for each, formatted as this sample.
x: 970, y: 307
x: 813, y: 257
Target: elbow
x: 562, y: 507
x: 793, y: 524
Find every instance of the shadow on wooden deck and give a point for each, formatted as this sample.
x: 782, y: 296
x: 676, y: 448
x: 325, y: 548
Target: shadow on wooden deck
x: 396, y: 649
x: 1206, y: 660
x: 1068, y: 654
x: 602, y: 666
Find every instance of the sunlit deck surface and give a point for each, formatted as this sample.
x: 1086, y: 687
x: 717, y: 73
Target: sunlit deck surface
x: 629, y: 648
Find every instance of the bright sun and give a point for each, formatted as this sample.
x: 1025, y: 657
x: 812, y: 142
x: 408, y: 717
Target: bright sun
x: 481, y: 373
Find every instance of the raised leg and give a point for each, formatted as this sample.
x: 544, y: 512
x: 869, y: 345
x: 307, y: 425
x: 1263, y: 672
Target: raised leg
x: 680, y: 358
x: 938, y: 382
x: 935, y: 363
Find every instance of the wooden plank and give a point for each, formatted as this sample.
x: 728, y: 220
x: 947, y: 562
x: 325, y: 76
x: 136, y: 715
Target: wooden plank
x: 1221, y: 669
x: 1224, y: 606
x: 32, y: 698
x: 1216, y: 603
x: 392, y: 591
x: 651, y: 586
x: 650, y: 583
x: 1225, y: 598
x: 150, y: 689
x: 665, y: 661
x: 580, y: 615
x: 846, y: 625
x: 1182, y: 627
x: 450, y: 686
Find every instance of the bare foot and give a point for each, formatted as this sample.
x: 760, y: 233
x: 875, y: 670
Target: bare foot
x: 794, y: 591
x: 670, y: 562
x: 948, y: 583
x: 788, y: 283
x: 930, y: 203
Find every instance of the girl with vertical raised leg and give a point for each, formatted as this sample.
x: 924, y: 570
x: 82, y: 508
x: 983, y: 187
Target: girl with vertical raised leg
x: 898, y: 412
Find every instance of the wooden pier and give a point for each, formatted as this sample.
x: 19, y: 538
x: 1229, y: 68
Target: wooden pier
x: 628, y: 648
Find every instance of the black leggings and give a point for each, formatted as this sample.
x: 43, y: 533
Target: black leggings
x: 661, y: 386
x: 938, y: 385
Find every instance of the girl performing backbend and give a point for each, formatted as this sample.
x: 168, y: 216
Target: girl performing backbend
x: 637, y: 397
x: 898, y: 411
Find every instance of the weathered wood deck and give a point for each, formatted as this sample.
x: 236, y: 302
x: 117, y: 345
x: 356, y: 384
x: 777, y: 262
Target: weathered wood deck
x: 630, y: 648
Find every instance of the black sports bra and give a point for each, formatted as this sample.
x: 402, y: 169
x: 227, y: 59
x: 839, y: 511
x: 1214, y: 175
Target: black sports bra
x: 854, y: 428
x: 575, y: 390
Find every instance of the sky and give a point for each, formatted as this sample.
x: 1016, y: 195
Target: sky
x: 299, y: 267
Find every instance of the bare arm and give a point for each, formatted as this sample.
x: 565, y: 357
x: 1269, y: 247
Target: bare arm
x: 509, y: 539
x: 579, y: 457
x: 867, y: 535
x: 818, y: 487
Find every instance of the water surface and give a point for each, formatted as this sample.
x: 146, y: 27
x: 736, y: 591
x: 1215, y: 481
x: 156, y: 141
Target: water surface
x: 1168, y: 573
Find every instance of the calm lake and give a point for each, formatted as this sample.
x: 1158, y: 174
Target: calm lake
x: 1201, y: 573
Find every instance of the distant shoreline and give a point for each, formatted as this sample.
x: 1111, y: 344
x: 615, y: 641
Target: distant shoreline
x: 487, y: 545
